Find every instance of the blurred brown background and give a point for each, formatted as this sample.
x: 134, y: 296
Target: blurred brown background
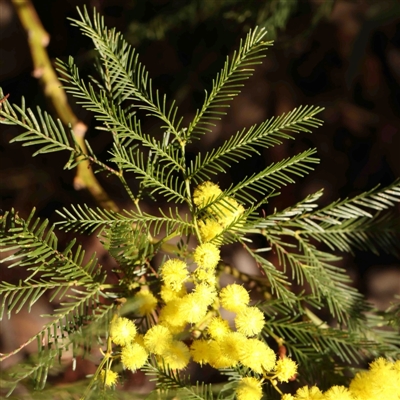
x: 342, y: 55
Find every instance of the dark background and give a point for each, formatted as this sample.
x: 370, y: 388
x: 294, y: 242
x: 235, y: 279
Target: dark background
x: 342, y: 55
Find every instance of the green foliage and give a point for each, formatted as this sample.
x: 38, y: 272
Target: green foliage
x: 305, y: 238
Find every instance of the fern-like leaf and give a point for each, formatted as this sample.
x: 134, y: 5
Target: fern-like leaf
x: 247, y: 142
x: 361, y: 205
x: 124, y: 125
x: 41, y: 130
x: 156, y: 178
x: 77, y: 284
x: 129, y: 78
x: 274, y: 176
x: 226, y: 86
x: 317, y: 268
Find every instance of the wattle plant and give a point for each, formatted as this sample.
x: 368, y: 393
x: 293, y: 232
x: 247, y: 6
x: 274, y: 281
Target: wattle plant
x: 165, y: 314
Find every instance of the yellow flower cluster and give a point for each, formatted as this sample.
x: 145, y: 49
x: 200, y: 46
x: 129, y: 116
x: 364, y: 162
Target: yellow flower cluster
x: 159, y: 341
x: 123, y: 333
x: 381, y: 381
x: 181, y: 307
x: 196, y: 314
x: 250, y: 388
x: 220, y: 212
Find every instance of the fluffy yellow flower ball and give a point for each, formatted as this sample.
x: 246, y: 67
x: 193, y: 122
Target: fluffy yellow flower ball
x: 306, y: 393
x: 382, y: 381
x: 122, y: 331
x: 193, y: 308
x: 258, y: 356
x: 249, y: 388
x: 285, y: 369
x: 231, y: 345
x: 168, y: 294
x: 171, y: 314
x: 249, y: 321
x: 205, y: 276
x: 209, y: 229
x: 133, y: 356
x: 219, y: 359
x: 338, y: 392
x: 176, y: 355
x: 218, y: 328
x: 205, y: 293
x: 157, y: 339
x: 234, y: 297
x: 108, y: 378
x: 174, y: 273
x: 203, y: 350
x: 205, y: 193
x: 206, y: 255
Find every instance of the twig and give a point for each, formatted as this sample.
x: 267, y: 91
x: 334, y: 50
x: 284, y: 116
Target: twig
x: 43, y: 70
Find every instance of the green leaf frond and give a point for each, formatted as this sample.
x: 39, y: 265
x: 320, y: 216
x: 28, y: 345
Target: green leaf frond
x: 306, y: 341
x: 65, y: 330
x: 37, y: 369
x: 348, y: 224
x: 36, y: 249
x: 380, y: 232
x: 123, y: 124
x: 82, y: 218
x: 311, y: 338
x: 53, y: 339
x: 234, y: 232
x: 342, y: 225
x: 274, y: 176
x: 130, y: 246
x: 165, y: 377
x: 129, y: 79
x: 245, y: 143
x: 226, y: 86
x: 317, y: 268
x: 156, y: 178
x: 169, y: 382
x: 171, y: 220
x: 228, y: 390
x: 375, y: 199
x: 277, y: 279
x: 76, y: 283
x: 379, y: 330
x: 274, y: 307
x: 307, y: 205
x: 42, y: 130
x: 200, y: 391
